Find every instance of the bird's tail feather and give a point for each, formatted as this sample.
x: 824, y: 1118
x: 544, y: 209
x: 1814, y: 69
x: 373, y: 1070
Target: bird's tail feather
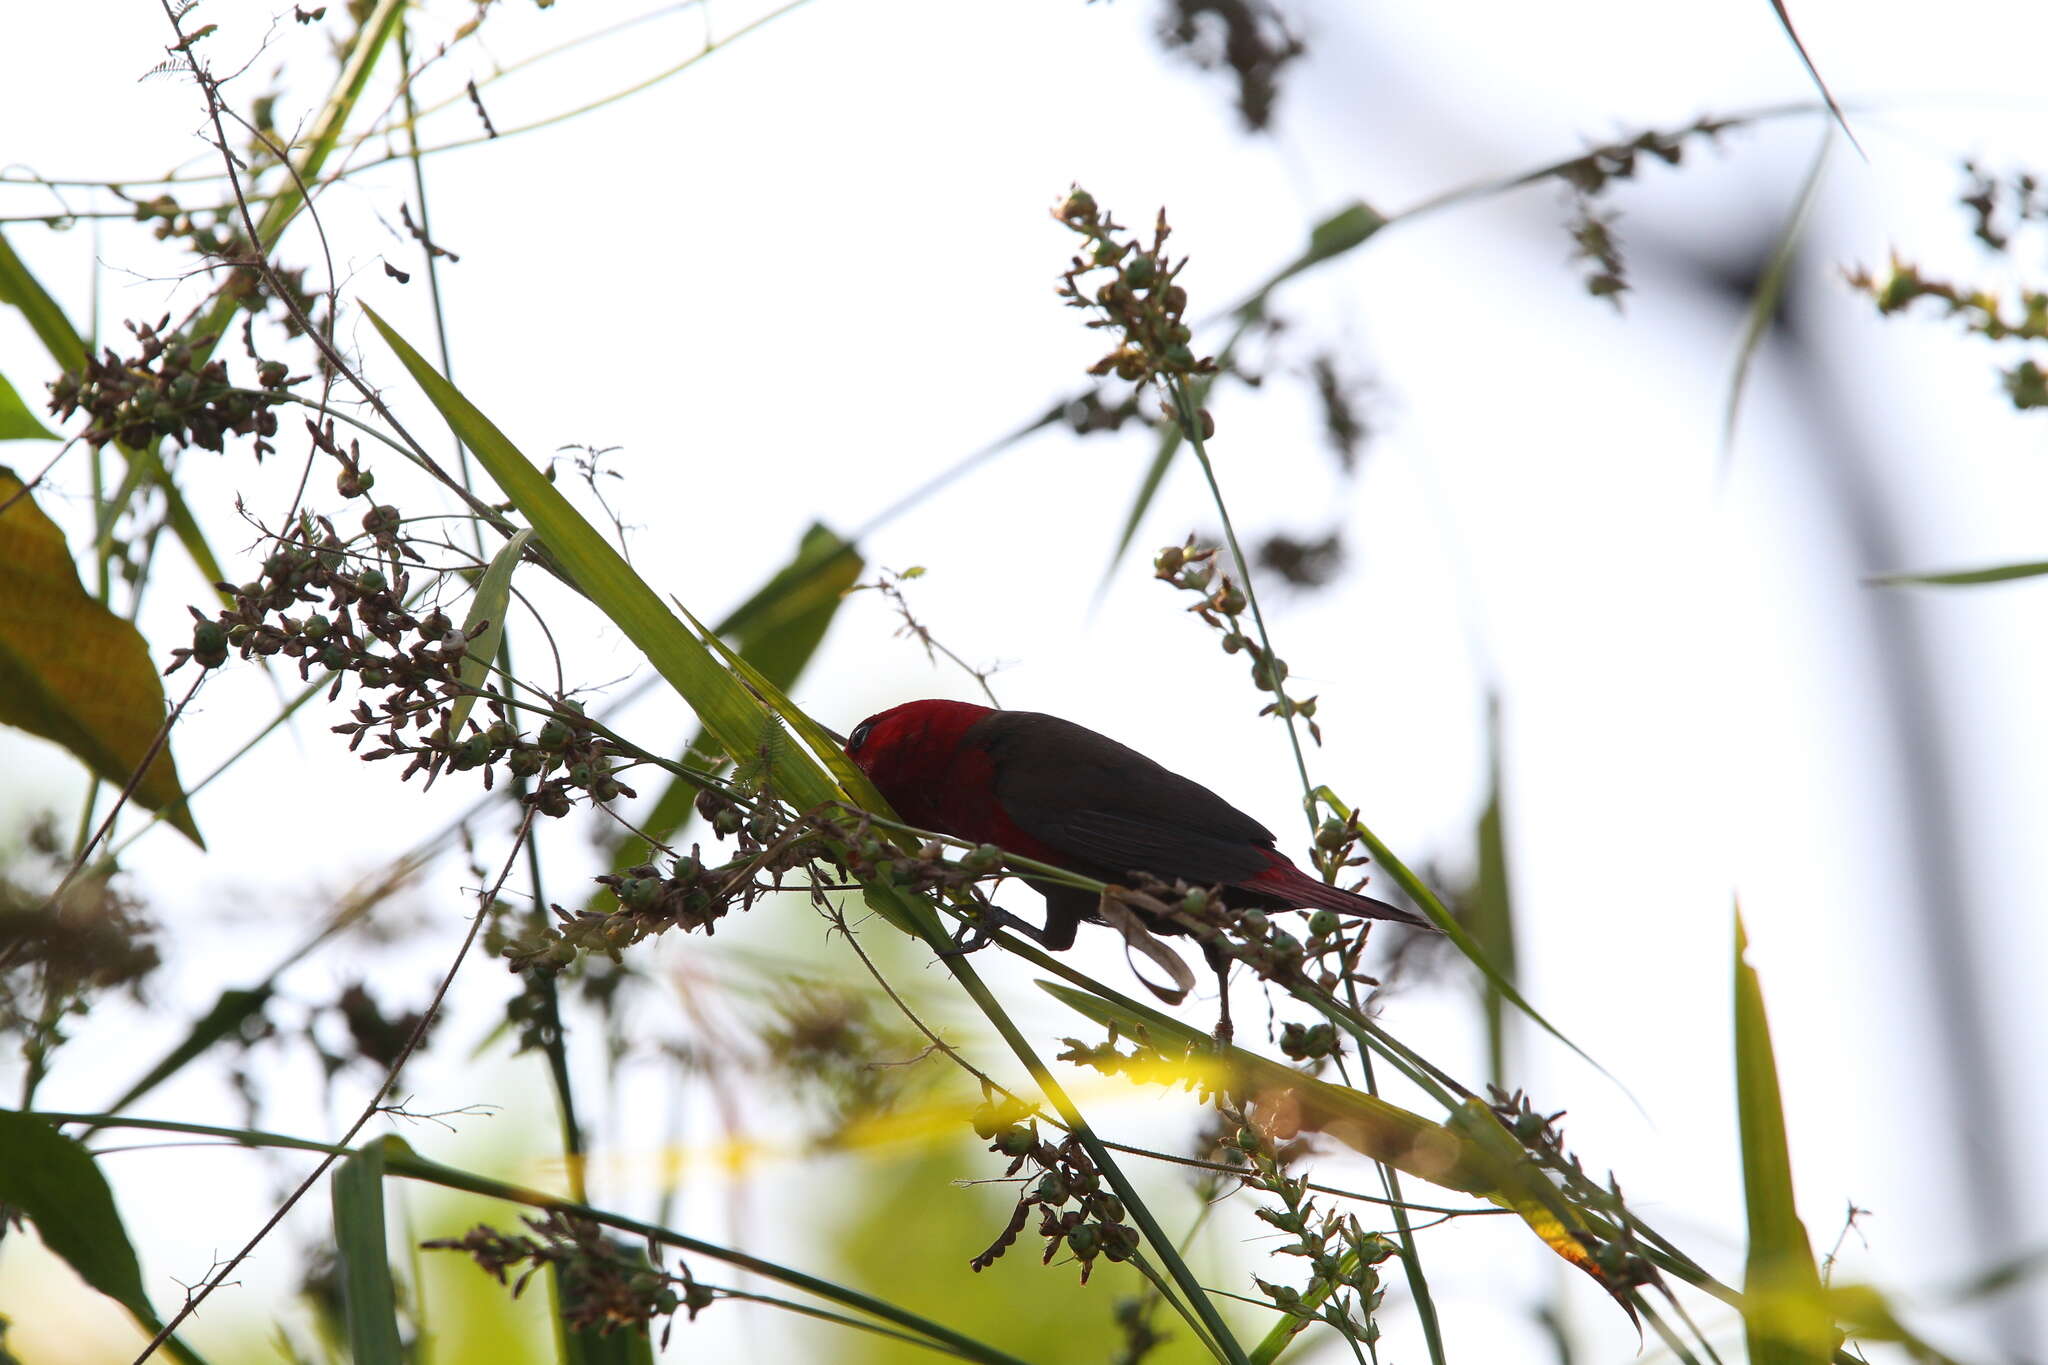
x: 1285, y: 879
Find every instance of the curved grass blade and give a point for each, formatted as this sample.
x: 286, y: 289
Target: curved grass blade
x: 1961, y: 578
x: 1440, y: 915
x: 728, y: 710
x: 777, y: 630
x: 487, y: 609
x: 1827, y: 95
x: 17, y: 423
x: 20, y: 289
x: 72, y: 671
x: 57, y: 1185
x: 369, y: 1298
x: 1784, y: 1308
x: 1770, y: 292
x: 414, y: 1167
x: 1472, y: 1153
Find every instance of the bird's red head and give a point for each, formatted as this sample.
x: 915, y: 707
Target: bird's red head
x: 915, y: 734
x: 913, y: 755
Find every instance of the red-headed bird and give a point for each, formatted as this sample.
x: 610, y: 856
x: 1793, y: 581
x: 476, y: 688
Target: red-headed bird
x: 1049, y: 789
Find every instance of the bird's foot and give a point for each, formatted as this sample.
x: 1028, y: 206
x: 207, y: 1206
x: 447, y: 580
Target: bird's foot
x: 974, y: 935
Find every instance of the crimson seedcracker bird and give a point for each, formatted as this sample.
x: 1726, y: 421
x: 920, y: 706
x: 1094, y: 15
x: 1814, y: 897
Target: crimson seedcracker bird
x: 1049, y: 789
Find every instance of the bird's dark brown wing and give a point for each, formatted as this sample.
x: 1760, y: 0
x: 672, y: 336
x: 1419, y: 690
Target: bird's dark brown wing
x: 1111, y: 810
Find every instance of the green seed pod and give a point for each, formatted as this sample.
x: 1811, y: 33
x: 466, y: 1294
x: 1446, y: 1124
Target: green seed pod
x: 1140, y: 271
x: 1168, y: 561
x: 370, y: 581
x: 271, y: 374
x: 375, y: 676
x: 1052, y: 1189
x: 1195, y: 902
x: 316, y: 627
x: 1079, y: 206
x: 1324, y: 924
x: 1084, y: 1240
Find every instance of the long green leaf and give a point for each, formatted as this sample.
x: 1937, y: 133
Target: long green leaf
x: 235, y: 1007
x: 17, y: 423
x: 728, y: 710
x: 1493, y: 910
x: 1440, y: 915
x: 777, y: 630
x: 487, y: 609
x: 1784, y: 1309
x: 54, y: 1181
x: 57, y: 1185
x: 1770, y: 292
x: 20, y: 289
x: 369, y: 1298
x: 72, y: 671
x: 1472, y: 1153
x: 1960, y: 578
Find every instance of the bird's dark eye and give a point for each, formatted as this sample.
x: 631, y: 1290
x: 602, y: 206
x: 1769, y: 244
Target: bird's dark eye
x: 859, y: 736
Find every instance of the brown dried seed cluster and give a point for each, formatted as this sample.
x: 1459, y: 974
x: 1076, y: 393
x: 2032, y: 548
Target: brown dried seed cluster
x: 1075, y: 1210
x: 605, y: 1285
x: 166, y: 390
x: 1139, y: 300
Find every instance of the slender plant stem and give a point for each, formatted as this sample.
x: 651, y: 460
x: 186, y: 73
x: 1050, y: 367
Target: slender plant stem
x: 1191, y: 426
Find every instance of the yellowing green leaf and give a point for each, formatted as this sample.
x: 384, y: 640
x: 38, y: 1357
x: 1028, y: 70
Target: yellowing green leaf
x: 72, y: 671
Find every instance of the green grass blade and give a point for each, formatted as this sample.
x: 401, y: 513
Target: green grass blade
x: 1440, y: 915
x: 234, y: 1008
x: 413, y: 1167
x: 487, y: 608
x: 17, y: 423
x: 1806, y: 58
x: 777, y: 630
x: 602, y: 574
x: 23, y: 291
x: 1962, y: 578
x: 369, y: 1298
x: 1770, y: 292
x: 54, y: 1182
x: 1784, y: 1309
x: 1493, y: 911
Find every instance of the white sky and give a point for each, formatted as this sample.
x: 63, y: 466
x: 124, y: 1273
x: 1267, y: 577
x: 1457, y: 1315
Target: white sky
x: 817, y: 268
